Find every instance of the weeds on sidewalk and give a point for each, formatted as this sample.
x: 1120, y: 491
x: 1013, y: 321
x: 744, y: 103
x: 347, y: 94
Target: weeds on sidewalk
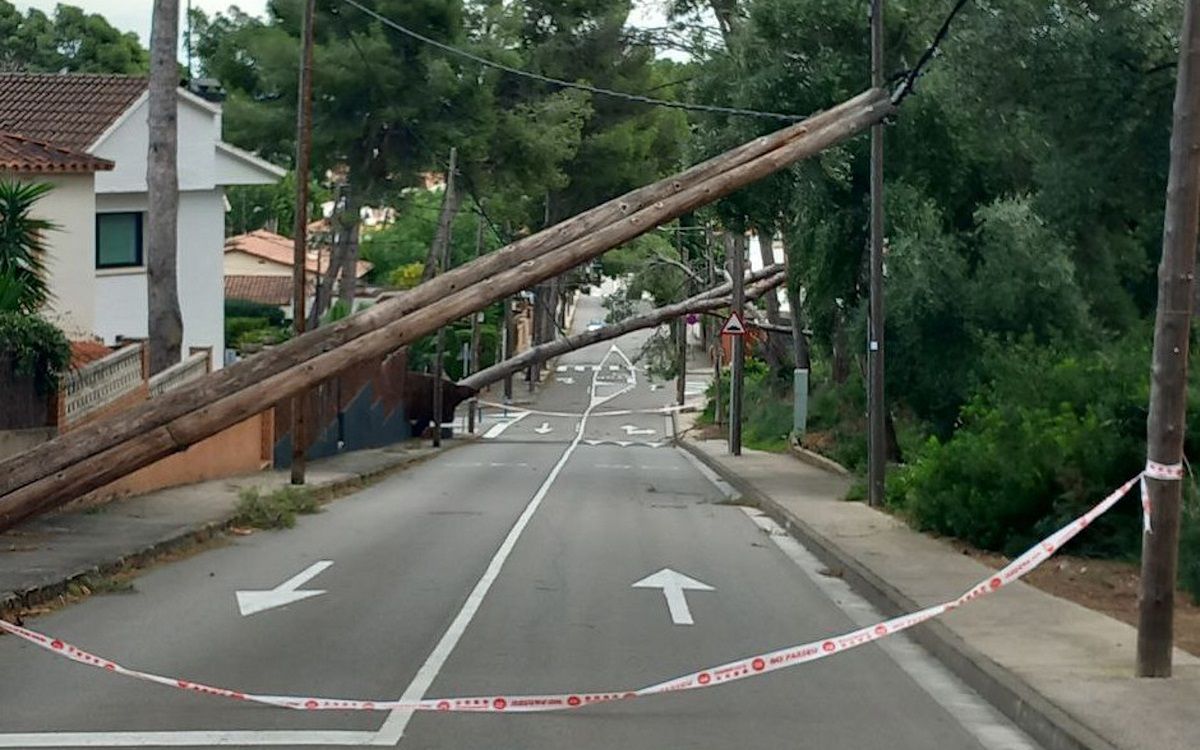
x: 274, y: 510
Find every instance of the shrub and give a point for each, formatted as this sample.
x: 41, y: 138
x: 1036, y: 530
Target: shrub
x: 242, y: 308
x: 35, y: 349
x: 274, y: 510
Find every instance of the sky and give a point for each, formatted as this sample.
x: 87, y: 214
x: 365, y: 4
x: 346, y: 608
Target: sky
x: 134, y: 15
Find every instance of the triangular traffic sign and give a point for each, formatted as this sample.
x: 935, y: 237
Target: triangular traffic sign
x: 734, y: 326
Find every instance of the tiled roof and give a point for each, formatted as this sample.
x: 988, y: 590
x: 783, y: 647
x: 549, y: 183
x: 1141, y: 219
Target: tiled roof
x: 279, y: 249
x: 21, y: 154
x: 68, y: 109
x: 86, y: 352
x: 268, y: 290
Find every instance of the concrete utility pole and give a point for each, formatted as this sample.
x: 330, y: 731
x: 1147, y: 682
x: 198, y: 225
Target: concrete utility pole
x: 300, y: 235
x: 1168, y: 383
x: 735, y: 251
x: 473, y: 364
x: 441, y: 263
x: 877, y: 441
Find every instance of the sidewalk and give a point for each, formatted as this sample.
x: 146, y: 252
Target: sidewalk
x: 1061, y: 671
x: 39, y: 558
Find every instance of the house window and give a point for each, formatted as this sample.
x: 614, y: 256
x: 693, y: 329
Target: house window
x: 118, y: 240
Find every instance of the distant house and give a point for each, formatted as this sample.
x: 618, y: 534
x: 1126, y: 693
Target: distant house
x: 88, y: 135
x: 258, y: 267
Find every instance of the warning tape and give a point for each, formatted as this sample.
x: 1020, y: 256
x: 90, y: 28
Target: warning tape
x: 721, y: 674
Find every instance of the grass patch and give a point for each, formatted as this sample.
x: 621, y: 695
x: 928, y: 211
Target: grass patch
x: 115, y: 583
x: 276, y: 509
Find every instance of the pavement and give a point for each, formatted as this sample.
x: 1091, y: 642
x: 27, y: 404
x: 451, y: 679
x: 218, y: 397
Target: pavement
x: 521, y: 562
x: 1062, y: 672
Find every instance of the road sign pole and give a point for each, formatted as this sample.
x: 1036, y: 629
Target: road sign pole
x: 876, y: 432
x: 734, y: 251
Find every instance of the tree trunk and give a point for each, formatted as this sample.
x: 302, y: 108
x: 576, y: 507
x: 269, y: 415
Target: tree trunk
x: 801, y: 350
x: 841, y: 349
x: 94, y: 455
x: 349, y: 261
x: 766, y: 243
x: 165, y: 322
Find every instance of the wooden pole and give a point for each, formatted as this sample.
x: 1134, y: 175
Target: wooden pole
x: 876, y: 434
x: 681, y: 327
x: 197, y: 412
x: 711, y: 300
x: 440, y: 263
x: 735, y: 249
x: 55, y: 455
x: 1168, y: 383
x: 473, y: 364
x: 300, y: 237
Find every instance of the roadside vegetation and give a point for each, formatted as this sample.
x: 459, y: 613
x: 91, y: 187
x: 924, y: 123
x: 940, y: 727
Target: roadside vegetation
x: 276, y: 509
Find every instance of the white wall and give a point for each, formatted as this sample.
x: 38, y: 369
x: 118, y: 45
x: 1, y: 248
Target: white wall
x: 199, y: 131
x: 121, y: 306
x: 72, y: 247
x: 238, y: 263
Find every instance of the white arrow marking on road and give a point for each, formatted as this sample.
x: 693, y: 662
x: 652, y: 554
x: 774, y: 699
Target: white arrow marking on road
x: 673, y: 585
x: 566, y: 380
x: 543, y: 429
x: 252, y: 602
x: 635, y: 430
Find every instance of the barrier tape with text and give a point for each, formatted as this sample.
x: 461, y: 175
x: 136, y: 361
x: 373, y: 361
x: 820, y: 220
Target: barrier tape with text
x: 733, y: 671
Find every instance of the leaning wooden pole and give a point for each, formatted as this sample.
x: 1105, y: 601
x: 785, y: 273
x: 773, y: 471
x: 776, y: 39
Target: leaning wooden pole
x: 710, y: 300
x: 203, y: 413
x: 1168, y: 383
x: 89, y: 440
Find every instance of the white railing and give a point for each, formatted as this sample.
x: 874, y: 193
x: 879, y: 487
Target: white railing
x: 195, y: 366
x: 99, y: 383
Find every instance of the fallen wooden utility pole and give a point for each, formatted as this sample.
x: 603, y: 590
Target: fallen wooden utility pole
x: 55, y: 455
x: 117, y: 446
x: 1168, y: 382
x: 710, y: 300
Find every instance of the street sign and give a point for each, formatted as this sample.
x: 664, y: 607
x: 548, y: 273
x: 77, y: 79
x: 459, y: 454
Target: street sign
x: 734, y: 326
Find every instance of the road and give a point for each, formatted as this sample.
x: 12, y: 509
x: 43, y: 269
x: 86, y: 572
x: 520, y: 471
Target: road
x: 505, y: 566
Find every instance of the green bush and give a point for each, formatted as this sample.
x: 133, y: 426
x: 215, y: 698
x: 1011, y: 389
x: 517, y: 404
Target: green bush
x: 837, y: 423
x: 274, y: 510
x: 766, y: 406
x: 235, y: 327
x: 35, y: 348
x: 241, y: 308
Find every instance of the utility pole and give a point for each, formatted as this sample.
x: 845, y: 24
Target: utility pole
x: 441, y: 262
x: 681, y: 324
x: 1168, y: 381
x: 506, y: 345
x: 877, y: 440
x: 735, y: 250
x: 718, y: 343
x: 300, y: 238
x: 473, y: 364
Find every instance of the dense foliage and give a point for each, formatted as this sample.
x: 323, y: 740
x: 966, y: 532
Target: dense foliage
x: 34, y: 348
x: 70, y: 40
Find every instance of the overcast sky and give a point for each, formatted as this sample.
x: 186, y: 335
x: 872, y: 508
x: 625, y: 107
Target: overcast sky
x: 134, y: 15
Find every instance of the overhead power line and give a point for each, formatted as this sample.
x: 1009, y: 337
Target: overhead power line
x: 714, y: 109
x: 909, y: 79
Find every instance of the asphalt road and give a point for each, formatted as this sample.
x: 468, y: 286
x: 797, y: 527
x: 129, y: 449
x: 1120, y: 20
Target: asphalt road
x: 501, y: 567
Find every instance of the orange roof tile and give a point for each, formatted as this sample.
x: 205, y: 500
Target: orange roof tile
x: 68, y: 109
x: 21, y: 154
x: 279, y: 249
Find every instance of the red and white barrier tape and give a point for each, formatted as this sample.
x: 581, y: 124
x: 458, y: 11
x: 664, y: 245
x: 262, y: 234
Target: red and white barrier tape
x: 1161, y: 472
x: 733, y: 671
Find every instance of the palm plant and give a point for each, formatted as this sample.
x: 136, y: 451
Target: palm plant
x: 24, y: 287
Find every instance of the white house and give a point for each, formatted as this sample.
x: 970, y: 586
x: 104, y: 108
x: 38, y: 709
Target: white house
x: 104, y: 116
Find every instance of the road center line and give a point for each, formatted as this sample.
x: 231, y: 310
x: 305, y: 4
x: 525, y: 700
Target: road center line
x: 393, y: 727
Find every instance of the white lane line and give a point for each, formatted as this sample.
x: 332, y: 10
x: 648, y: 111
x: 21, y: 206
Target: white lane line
x: 499, y: 427
x: 977, y: 716
x: 725, y: 487
x: 248, y: 738
x: 393, y: 727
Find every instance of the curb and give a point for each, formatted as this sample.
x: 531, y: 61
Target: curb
x: 1046, y: 723
x: 816, y: 460
x: 15, y: 601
